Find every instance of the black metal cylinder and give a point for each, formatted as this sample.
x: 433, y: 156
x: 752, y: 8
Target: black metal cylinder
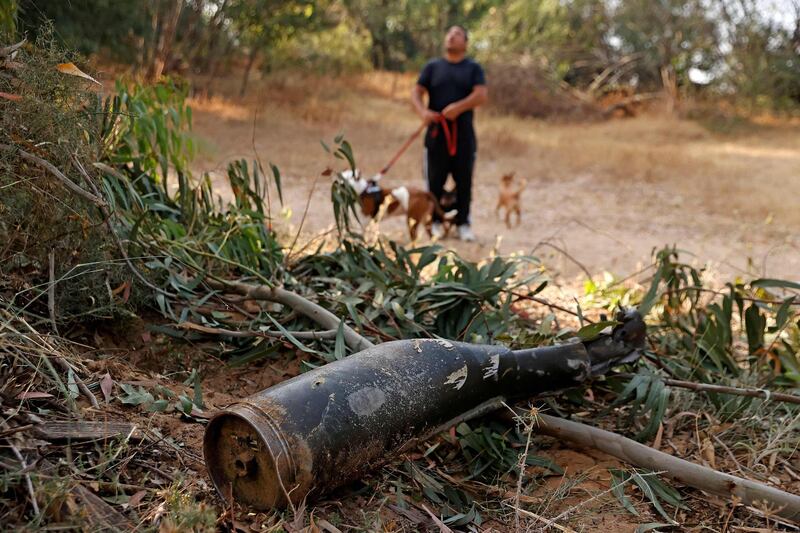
x: 318, y: 430
x: 326, y: 427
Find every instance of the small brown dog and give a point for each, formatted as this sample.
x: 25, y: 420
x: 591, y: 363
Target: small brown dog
x: 418, y: 205
x: 509, y: 197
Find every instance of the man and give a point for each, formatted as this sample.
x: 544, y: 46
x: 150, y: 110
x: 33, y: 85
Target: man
x: 455, y: 85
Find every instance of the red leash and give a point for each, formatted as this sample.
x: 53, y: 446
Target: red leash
x: 449, y: 136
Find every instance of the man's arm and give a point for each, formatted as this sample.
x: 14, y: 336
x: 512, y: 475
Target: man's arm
x: 478, y: 96
x: 425, y: 114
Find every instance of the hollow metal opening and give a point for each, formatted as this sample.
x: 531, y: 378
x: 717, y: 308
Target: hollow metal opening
x: 238, y: 450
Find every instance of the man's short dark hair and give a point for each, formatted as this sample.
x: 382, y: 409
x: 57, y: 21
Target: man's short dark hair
x: 462, y: 28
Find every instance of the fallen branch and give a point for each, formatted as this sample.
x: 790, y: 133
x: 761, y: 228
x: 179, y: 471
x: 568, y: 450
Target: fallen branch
x: 736, y: 391
x: 551, y: 305
x: 546, y: 521
x: 303, y: 306
x: 747, y: 491
x: 47, y: 165
x: 28, y: 483
x: 635, y: 99
x: 66, y: 367
x: 302, y: 335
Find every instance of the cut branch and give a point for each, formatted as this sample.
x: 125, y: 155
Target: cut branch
x: 736, y: 391
x: 28, y: 483
x: 302, y: 335
x: 303, y: 306
x: 751, y: 493
x: 47, y: 165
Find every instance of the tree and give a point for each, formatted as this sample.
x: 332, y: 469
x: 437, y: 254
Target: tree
x: 259, y: 24
x: 670, y: 37
x: 8, y: 19
x: 88, y: 26
x: 763, y: 65
x: 407, y: 32
x: 164, y: 17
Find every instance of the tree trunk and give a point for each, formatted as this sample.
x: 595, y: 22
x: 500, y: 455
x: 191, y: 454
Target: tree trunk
x: 220, y: 51
x: 166, y: 36
x: 149, y: 43
x: 211, y: 41
x: 670, y: 83
x: 376, y: 51
x: 251, y: 59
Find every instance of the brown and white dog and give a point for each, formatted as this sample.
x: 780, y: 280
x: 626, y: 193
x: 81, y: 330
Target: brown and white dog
x: 417, y: 205
x: 509, y: 197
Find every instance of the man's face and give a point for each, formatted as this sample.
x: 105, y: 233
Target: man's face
x: 455, y: 41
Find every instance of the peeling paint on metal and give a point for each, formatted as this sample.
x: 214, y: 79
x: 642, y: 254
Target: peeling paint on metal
x: 575, y: 364
x: 446, y: 344
x: 366, y: 401
x: 457, y: 378
x: 493, y: 366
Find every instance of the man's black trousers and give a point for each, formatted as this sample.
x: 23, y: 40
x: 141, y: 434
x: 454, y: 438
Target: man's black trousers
x: 439, y: 164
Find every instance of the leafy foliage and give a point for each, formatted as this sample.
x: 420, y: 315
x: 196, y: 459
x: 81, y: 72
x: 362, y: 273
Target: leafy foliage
x: 689, y: 48
x: 8, y: 19
x: 655, y: 490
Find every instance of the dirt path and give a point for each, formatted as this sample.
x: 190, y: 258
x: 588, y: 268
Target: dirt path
x: 605, y: 193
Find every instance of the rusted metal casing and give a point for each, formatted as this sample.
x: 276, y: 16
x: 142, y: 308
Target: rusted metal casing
x: 321, y: 429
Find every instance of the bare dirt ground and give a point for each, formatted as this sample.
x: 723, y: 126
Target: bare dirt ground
x: 606, y: 193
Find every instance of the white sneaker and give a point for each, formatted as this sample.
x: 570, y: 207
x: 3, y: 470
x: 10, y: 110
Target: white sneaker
x: 437, y: 230
x: 465, y: 233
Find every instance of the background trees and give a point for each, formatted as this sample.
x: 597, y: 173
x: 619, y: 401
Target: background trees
x: 731, y: 48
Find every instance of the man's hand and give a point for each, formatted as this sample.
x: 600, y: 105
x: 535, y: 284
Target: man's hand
x: 429, y: 116
x: 452, y: 111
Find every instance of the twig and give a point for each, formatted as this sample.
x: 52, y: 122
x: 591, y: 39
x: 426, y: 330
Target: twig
x: 80, y: 384
x: 441, y: 525
x: 302, y: 220
x: 315, y: 312
x: 729, y: 452
x: 599, y: 495
x: 51, y: 291
x: 8, y: 432
x: 303, y: 335
x: 551, y: 305
x: 486, y: 407
x: 523, y: 459
x: 547, y: 521
x: 28, y: 481
x: 47, y: 165
x: 767, y: 394
x: 720, y: 293
x: 567, y: 255
x: 750, y: 492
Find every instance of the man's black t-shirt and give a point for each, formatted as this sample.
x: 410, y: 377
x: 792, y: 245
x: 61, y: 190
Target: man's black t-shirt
x: 449, y: 82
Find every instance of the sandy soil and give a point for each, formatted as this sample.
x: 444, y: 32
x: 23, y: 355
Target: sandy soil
x: 606, y: 193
